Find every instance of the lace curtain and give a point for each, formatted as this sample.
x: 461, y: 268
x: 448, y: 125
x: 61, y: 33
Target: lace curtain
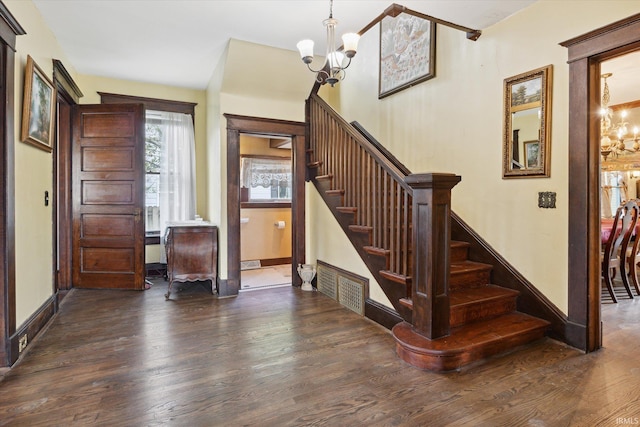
x: 262, y: 172
x: 177, y: 190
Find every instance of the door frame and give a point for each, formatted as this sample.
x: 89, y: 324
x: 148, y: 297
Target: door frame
x: 585, y: 53
x: 9, y: 30
x: 279, y: 128
x: 68, y: 94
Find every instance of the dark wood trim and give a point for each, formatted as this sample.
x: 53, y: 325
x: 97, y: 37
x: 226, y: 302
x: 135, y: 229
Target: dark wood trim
x: 32, y: 327
x: 152, y: 238
x: 275, y: 261
x: 263, y: 126
x: 431, y: 224
x: 62, y: 78
x: 9, y: 29
x: 530, y: 300
x: 149, y: 103
x: 233, y: 214
x: 609, y: 37
x: 585, y: 53
x: 381, y: 314
x: 266, y: 205
x: 260, y: 156
x: 386, y: 153
x: 67, y: 95
x: 396, y: 9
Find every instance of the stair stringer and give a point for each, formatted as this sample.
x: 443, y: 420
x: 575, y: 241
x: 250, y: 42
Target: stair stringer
x: 375, y: 263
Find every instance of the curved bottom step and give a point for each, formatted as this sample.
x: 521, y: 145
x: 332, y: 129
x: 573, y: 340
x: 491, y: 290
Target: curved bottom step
x: 467, y: 343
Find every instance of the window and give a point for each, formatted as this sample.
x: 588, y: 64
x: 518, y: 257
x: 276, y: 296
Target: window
x: 266, y: 179
x: 614, y: 192
x: 153, y: 136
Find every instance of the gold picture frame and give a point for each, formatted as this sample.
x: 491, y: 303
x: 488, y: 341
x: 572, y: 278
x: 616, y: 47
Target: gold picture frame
x: 38, y: 108
x: 526, y: 143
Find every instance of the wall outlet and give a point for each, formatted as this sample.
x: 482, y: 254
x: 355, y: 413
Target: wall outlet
x: 22, y: 343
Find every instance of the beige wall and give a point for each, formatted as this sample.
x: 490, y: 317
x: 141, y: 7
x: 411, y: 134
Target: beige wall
x: 33, y: 172
x: 453, y: 123
x: 276, y: 91
x: 260, y: 238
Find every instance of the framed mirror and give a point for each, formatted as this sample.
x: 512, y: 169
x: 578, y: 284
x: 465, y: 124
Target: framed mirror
x: 526, y: 146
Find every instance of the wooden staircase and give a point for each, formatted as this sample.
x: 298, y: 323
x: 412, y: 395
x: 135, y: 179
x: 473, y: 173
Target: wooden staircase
x: 483, y: 320
x: 460, y: 316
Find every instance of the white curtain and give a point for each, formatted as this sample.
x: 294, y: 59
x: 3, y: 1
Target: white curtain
x: 177, y: 190
x: 264, y: 171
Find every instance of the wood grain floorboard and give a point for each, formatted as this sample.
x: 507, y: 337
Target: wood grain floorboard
x: 283, y: 357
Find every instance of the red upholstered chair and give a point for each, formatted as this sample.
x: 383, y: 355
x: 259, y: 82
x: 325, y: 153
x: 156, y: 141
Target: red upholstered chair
x: 614, y: 256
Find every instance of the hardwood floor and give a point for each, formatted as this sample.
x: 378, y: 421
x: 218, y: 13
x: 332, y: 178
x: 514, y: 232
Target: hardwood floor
x: 283, y: 357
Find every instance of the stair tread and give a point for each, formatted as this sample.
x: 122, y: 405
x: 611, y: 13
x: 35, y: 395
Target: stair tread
x: 395, y: 277
x: 467, y: 337
x: 464, y: 266
x: 465, y: 296
x: 458, y: 243
x: 459, y: 298
x: 361, y: 228
x: 347, y: 209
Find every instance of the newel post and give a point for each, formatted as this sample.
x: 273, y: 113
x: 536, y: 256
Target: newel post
x: 431, y: 240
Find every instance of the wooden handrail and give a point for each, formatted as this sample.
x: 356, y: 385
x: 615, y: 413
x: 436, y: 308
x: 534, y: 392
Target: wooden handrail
x: 389, y: 166
x: 409, y: 215
x: 395, y: 10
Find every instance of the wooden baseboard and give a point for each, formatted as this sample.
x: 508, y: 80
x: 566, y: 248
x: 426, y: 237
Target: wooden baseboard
x: 275, y: 261
x: 31, y: 328
x: 381, y: 314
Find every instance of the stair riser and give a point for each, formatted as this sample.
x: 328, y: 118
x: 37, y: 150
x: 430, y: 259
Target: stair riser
x: 442, y: 363
x: 459, y: 253
x: 469, y: 279
x: 469, y: 313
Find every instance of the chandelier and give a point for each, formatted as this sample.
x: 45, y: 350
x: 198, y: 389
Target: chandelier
x: 614, y: 136
x: 333, y: 70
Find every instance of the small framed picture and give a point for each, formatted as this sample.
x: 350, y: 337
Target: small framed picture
x: 38, y: 108
x: 532, y: 153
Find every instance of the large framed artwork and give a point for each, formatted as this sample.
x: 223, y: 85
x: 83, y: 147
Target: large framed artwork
x: 407, y: 52
x: 38, y: 108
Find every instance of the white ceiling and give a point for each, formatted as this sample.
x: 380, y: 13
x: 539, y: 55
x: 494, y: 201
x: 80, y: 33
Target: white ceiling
x: 179, y: 42
x: 624, y: 84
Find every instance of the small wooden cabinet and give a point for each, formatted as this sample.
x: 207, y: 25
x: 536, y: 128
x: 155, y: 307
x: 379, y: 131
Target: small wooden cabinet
x: 192, y: 254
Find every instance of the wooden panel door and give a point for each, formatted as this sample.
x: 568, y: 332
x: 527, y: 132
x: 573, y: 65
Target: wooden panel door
x: 108, y: 196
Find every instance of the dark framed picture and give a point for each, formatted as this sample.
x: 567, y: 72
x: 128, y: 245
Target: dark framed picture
x: 38, y: 107
x: 407, y: 52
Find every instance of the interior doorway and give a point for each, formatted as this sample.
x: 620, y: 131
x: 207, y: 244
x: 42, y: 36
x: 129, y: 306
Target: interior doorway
x: 585, y: 53
x: 265, y: 211
x: 275, y: 129
x: 620, y: 153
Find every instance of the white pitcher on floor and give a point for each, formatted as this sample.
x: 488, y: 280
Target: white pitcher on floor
x: 306, y: 272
